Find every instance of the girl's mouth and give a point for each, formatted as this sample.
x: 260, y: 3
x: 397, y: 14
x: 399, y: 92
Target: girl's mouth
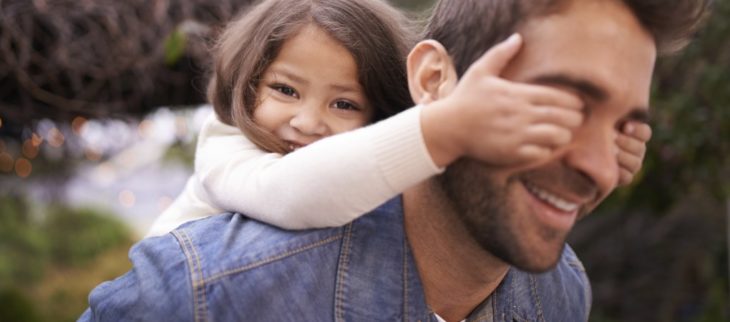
x: 293, y: 145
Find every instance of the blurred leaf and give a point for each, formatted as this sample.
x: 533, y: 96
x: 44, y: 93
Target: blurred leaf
x: 16, y: 307
x: 174, y: 47
x: 23, y: 247
x: 78, y: 235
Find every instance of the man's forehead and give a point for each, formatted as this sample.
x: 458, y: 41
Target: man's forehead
x: 596, y: 48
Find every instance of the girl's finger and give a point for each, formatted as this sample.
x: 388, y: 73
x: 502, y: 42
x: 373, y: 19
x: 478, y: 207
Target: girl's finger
x: 629, y: 161
x: 545, y: 95
x: 625, y: 177
x: 546, y: 135
x: 555, y: 115
x: 529, y: 153
x: 631, y: 145
x: 639, y: 130
x: 497, y: 57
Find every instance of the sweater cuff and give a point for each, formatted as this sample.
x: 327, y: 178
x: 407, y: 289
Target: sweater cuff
x: 401, y: 152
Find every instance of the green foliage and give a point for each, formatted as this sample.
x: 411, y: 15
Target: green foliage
x: 16, y: 307
x: 716, y: 308
x: 79, y: 235
x: 174, y: 47
x: 22, y: 244
x: 691, y: 121
x: 181, y: 153
x: 656, y: 251
x: 35, y: 252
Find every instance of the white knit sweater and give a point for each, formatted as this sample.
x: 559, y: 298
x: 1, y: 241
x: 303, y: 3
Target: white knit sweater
x: 325, y: 184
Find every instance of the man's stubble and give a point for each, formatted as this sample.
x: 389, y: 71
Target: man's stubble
x: 497, y: 222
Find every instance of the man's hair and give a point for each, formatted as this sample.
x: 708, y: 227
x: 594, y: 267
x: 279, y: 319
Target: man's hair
x: 467, y: 28
x: 374, y: 33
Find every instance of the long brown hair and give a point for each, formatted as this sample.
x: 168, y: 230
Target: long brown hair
x: 377, y: 35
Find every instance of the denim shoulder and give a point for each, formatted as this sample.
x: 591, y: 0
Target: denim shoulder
x: 242, y: 269
x: 185, y: 275
x: 232, y: 241
x: 155, y: 289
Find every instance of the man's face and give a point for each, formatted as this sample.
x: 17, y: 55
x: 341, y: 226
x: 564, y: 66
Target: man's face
x: 599, y: 51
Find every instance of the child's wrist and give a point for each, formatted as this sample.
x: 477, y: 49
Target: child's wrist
x: 441, y: 135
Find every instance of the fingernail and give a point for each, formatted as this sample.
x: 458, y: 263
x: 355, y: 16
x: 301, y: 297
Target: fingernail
x: 629, y: 128
x: 514, y: 38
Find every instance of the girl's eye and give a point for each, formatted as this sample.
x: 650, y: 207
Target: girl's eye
x: 345, y: 105
x: 286, y: 90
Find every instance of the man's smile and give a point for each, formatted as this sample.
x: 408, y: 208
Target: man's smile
x: 551, y: 199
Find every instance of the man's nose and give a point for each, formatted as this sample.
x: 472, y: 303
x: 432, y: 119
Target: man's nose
x: 309, y: 120
x: 594, y: 153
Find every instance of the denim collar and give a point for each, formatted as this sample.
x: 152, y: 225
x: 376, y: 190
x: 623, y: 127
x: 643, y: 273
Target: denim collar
x: 375, y: 266
x: 375, y: 255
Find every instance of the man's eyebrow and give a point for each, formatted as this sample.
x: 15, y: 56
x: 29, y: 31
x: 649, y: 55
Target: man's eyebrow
x: 592, y: 91
x: 583, y: 87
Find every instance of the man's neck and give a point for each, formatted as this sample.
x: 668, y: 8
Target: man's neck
x: 456, y: 273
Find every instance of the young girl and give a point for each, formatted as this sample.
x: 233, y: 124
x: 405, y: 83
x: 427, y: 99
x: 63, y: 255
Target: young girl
x: 291, y: 72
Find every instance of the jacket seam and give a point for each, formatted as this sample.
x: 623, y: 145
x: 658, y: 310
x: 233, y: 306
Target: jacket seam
x: 269, y: 260
x: 538, y: 303
x: 341, y: 268
x: 196, y: 275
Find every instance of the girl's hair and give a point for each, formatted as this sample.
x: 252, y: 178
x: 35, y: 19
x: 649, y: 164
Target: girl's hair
x: 376, y: 35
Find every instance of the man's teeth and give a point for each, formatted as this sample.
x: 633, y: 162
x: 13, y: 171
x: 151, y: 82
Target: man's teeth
x: 552, y: 199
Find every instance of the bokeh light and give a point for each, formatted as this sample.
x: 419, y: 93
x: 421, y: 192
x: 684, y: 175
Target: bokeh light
x: 127, y: 198
x: 30, y: 150
x: 77, y: 124
x: 6, y: 162
x: 164, y: 202
x: 144, y: 129
x: 55, y: 138
x: 23, y: 167
x: 181, y: 127
x: 36, y: 139
x: 92, y: 154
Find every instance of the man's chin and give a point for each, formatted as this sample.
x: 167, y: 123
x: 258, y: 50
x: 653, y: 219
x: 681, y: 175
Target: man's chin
x: 498, y: 217
x: 540, y: 262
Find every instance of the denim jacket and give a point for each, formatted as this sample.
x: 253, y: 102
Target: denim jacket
x: 231, y: 268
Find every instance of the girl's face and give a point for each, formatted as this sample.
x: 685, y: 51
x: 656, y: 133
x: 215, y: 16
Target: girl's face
x: 311, y: 90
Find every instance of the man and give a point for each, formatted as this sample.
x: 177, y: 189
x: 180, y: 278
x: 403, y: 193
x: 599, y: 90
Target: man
x: 476, y: 243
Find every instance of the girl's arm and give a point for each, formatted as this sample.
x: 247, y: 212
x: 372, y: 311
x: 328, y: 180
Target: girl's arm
x: 327, y: 183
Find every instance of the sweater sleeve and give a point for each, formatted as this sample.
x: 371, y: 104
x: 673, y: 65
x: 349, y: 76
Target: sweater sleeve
x: 325, y: 184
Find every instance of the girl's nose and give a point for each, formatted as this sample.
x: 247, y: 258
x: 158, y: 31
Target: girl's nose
x: 309, y: 120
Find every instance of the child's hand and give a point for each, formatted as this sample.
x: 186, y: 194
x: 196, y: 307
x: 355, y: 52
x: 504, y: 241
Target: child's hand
x: 632, y: 146
x: 500, y: 122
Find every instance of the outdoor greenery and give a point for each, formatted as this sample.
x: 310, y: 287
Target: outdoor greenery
x: 658, y: 250
x: 49, y: 265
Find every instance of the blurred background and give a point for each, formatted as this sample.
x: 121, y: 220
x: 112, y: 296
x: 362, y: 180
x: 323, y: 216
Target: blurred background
x: 101, y: 101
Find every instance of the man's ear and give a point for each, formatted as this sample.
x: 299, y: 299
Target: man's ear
x: 431, y: 74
